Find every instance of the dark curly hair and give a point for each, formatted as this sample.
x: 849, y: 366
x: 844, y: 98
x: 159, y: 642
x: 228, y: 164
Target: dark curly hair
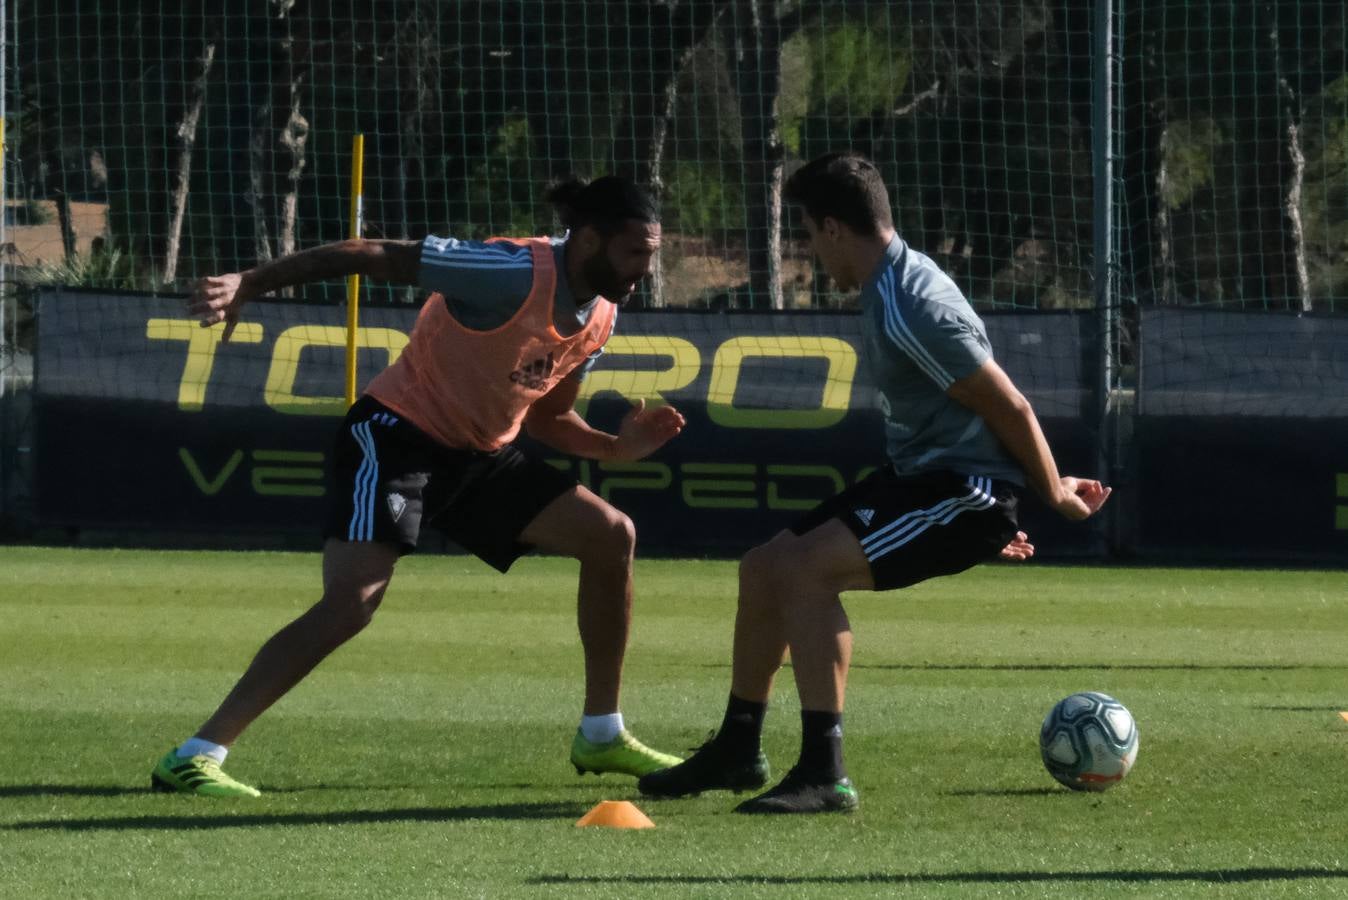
x: 607, y: 204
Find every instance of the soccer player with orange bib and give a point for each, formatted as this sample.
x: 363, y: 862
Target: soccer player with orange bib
x: 508, y: 332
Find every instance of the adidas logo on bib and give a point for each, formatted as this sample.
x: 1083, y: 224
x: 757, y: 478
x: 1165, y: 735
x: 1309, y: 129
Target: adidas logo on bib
x: 535, y: 375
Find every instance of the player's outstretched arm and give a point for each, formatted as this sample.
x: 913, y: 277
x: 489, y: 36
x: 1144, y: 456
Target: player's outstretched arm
x: 554, y: 421
x: 218, y: 298
x: 990, y: 393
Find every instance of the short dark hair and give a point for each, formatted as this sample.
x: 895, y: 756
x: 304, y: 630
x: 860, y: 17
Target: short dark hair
x: 607, y: 204
x: 846, y: 186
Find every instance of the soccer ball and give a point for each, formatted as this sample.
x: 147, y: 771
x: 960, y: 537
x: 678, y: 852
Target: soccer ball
x: 1088, y: 741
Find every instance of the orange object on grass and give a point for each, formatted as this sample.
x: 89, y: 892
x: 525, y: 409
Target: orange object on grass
x: 615, y: 814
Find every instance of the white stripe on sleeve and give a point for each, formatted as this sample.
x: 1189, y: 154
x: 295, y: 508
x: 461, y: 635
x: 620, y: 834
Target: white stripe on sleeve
x: 898, y: 331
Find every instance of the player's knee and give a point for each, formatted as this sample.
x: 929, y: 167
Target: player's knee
x: 785, y: 568
x: 612, y: 540
x: 767, y: 566
x: 347, y: 610
x: 755, y: 568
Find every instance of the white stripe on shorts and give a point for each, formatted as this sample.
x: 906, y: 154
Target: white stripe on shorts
x: 909, y: 525
x: 367, y: 480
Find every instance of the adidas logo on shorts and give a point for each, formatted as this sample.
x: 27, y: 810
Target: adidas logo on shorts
x: 865, y: 515
x: 535, y: 375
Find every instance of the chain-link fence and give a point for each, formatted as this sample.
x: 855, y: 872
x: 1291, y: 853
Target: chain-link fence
x: 1090, y: 155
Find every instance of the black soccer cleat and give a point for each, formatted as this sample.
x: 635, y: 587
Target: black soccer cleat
x: 801, y: 793
x: 710, y: 768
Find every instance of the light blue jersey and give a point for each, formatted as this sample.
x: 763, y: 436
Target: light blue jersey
x: 919, y: 336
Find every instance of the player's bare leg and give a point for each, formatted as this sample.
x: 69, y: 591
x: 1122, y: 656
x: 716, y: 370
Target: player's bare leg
x: 813, y: 569
x: 355, y: 576
x: 760, y: 631
x: 581, y: 525
x: 807, y: 574
x: 788, y: 596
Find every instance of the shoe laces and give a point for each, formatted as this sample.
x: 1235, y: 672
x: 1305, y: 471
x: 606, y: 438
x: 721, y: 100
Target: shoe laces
x: 706, y: 743
x: 209, y: 765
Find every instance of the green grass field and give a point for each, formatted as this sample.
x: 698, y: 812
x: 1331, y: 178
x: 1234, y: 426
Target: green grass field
x: 428, y: 756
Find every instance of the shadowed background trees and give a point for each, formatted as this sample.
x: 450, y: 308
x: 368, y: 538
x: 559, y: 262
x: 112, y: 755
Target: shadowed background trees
x: 217, y: 141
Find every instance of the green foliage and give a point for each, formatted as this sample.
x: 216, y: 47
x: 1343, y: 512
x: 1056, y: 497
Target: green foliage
x: 1189, y: 147
x: 837, y: 73
x: 501, y: 192
x: 1335, y: 100
x: 34, y: 212
x: 703, y: 200
x: 102, y: 267
x: 469, y: 108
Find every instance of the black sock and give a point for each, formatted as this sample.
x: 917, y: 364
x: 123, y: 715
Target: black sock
x: 821, y: 753
x: 742, y: 726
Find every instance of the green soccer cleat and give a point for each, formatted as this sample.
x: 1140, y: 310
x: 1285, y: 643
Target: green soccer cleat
x: 624, y: 754
x: 196, y: 775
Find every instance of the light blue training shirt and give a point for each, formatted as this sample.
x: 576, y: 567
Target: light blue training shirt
x: 919, y: 336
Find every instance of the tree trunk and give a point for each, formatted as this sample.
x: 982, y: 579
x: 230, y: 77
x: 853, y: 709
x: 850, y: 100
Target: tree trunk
x: 293, y: 138
x: 1141, y: 126
x: 1298, y: 160
x: 294, y: 134
x: 256, y: 195
x: 65, y: 219
x: 638, y: 149
x: 1167, y: 290
x: 421, y: 64
x: 1290, y: 117
x: 187, y: 138
x: 656, y: 163
x: 1266, y: 257
x: 758, y: 74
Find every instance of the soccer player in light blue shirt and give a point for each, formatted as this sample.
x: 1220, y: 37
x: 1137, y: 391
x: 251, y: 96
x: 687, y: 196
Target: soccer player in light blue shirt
x: 961, y: 442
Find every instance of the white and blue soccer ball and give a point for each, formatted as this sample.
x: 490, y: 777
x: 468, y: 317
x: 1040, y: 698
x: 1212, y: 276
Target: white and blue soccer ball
x: 1088, y: 741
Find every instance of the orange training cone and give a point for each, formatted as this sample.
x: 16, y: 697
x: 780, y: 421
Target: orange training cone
x: 615, y: 814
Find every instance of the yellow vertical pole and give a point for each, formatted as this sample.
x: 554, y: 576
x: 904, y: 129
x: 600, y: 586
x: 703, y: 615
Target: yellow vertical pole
x: 353, y: 281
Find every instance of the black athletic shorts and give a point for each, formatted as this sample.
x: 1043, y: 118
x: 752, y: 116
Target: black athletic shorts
x: 389, y: 479
x: 916, y: 527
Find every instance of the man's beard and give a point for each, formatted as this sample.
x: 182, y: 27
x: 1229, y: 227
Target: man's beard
x: 604, y: 279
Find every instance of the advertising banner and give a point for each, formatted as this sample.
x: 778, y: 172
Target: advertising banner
x: 1242, y: 435
x: 146, y: 420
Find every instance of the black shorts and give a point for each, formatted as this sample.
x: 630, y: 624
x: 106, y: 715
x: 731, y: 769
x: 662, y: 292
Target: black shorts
x: 389, y: 478
x: 916, y: 527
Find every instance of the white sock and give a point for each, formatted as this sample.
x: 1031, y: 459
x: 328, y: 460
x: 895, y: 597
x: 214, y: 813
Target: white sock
x: 197, y: 747
x: 601, y: 729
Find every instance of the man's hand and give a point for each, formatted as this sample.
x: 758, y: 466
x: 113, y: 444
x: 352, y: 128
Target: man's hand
x: 1079, y: 498
x: 1020, y: 548
x: 643, y: 431
x: 218, y: 298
